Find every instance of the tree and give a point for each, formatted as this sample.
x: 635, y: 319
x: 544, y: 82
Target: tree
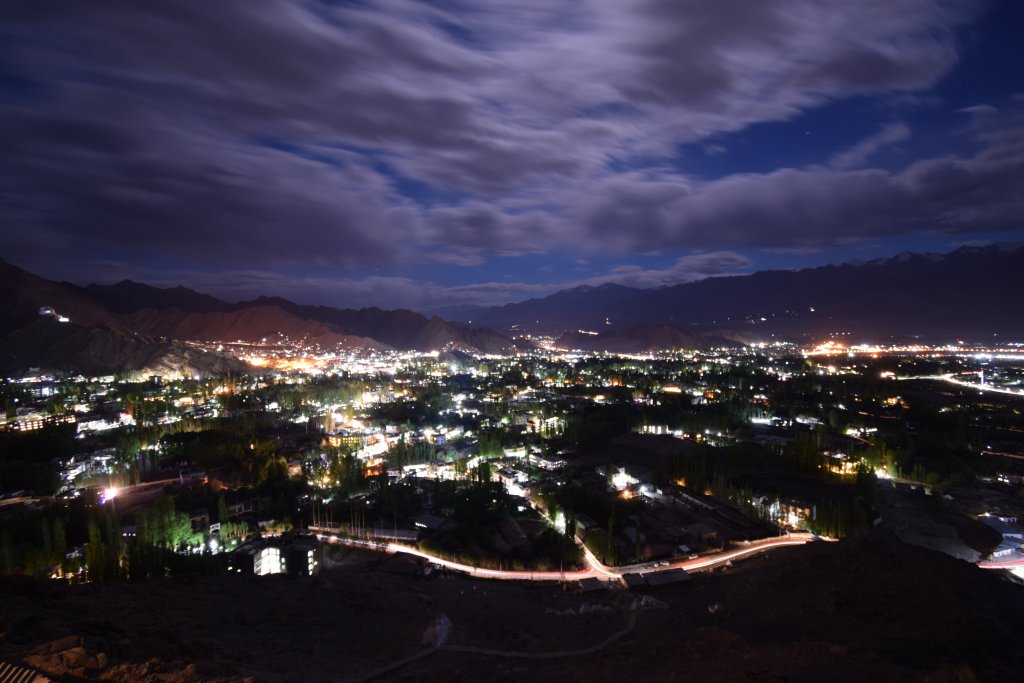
x: 867, y: 486
x: 483, y: 472
x: 610, y: 553
x: 570, y: 523
x: 231, y: 530
x: 8, y: 560
x: 222, y: 509
x: 60, y: 543
x: 273, y: 469
x: 165, y: 527
x: 47, y: 538
x: 94, y: 560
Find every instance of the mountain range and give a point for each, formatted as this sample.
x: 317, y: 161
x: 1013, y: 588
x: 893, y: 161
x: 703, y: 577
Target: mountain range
x: 973, y: 292
x: 133, y: 326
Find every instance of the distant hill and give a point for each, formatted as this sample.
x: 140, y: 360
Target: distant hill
x: 129, y: 325
x: 244, y: 324
x: 102, y: 349
x: 583, y: 306
x: 127, y: 297
x: 22, y: 294
x: 636, y: 339
x: 400, y: 329
x: 972, y: 292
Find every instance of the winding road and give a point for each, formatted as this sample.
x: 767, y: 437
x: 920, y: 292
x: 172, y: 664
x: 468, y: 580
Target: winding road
x: 594, y: 568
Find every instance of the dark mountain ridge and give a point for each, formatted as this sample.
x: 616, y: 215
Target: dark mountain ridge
x: 127, y: 297
x: 972, y: 292
x: 400, y: 328
x: 130, y: 323
x: 22, y: 294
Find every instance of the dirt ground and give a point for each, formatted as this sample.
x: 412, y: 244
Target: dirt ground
x: 863, y: 609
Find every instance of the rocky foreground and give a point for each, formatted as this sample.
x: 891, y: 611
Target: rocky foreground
x: 869, y: 608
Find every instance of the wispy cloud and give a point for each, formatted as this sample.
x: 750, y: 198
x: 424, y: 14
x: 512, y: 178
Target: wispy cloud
x: 861, y: 152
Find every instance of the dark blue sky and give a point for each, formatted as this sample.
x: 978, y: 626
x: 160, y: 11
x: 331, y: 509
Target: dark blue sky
x: 421, y: 154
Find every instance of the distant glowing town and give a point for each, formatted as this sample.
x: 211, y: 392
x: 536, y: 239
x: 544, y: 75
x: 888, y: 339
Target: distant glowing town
x: 545, y: 465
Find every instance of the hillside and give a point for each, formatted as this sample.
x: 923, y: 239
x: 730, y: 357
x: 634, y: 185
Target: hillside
x: 400, y: 329
x: 22, y: 294
x: 130, y: 326
x: 637, y: 339
x: 103, y: 349
x: 245, y: 324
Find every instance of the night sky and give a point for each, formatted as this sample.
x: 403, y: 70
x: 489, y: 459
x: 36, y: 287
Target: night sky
x: 419, y: 154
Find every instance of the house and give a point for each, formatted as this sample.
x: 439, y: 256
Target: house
x: 550, y: 463
x: 298, y: 555
x: 303, y: 555
x: 1006, y: 526
x: 430, y: 522
x: 1004, y: 550
x: 511, y: 479
x: 591, y: 585
x: 666, y: 577
x: 634, y: 580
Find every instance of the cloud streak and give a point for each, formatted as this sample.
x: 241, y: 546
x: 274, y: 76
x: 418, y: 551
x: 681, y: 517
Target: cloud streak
x: 861, y: 152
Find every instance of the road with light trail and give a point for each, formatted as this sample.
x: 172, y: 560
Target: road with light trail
x: 594, y: 568
x: 951, y: 378
x: 1017, y: 563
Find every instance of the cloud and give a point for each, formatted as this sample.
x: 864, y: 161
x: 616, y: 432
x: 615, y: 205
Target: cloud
x: 978, y: 110
x: 196, y: 198
x: 685, y: 269
x: 815, y: 206
x: 498, y: 230
x: 859, y: 153
x: 457, y: 258
x: 290, y: 134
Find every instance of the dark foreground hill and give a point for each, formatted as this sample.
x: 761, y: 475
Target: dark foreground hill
x: 865, y: 609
